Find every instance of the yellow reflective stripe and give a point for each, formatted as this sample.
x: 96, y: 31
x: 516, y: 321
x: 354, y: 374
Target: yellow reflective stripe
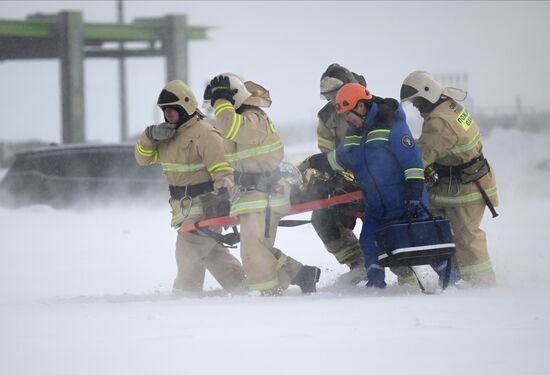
x: 254, y: 151
x: 467, y: 147
x: 331, y: 156
x: 268, y: 285
x: 476, y: 268
x: 237, y: 120
x: 347, y: 253
x: 240, y: 207
x: 182, y: 168
x: 378, y: 135
x: 326, y: 143
x: 222, y: 169
x: 352, y: 140
x: 283, y: 259
x: 463, y: 198
x: 143, y: 151
x: 272, y: 126
x: 216, y: 166
x: 222, y: 107
x: 194, y: 212
x: 414, y: 173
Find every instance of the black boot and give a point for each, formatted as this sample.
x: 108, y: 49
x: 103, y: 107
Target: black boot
x: 306, y: 278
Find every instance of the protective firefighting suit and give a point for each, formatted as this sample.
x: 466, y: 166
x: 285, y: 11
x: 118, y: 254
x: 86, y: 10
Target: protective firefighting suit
x: 450, y: 143
x: 254, y: 149
x: 194, y: 165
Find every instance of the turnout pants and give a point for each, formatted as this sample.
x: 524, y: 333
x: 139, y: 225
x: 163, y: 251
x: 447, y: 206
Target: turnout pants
x: 472, y: 257
x: 337, y: 235
x: 195, y: 255
x: 268, y: 269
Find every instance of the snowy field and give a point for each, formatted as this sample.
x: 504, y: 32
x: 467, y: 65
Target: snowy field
x: 88, y: 292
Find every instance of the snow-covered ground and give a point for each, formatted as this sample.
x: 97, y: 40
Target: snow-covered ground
x: 88, y: 292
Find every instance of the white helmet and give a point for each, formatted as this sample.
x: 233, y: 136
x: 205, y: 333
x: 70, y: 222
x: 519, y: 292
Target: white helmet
x: 235, y: 83
x: 422, y: 84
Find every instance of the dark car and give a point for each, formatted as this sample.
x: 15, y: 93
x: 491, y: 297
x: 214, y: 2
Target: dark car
x: 65, y: 175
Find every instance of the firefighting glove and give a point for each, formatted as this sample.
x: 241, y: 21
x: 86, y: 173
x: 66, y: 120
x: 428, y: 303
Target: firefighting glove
x: 319, y: 162
x: 216, y: 204
x: 160, y: 133
x: 221, y: 89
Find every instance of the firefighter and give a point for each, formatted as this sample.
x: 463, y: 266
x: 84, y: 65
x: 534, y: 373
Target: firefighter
x: 333, y: 226
x: 254, y: 149
x: 190, y: 151
x: 381, y: 153
x: 451, y: 146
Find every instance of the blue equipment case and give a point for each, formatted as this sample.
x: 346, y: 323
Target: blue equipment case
x: 413, y: 242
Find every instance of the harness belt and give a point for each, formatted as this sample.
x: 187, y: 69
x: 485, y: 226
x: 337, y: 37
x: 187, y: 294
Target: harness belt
x: 263, y: 182
x: 456, y: 170
x: 179, y: 192
x: 471, y: 171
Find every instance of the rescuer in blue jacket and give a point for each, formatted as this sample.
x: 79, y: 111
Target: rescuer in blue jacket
x: 380, y: 151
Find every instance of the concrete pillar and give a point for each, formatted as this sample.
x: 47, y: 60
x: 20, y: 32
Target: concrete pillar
x: 174, y: 42
x: 71, y: 53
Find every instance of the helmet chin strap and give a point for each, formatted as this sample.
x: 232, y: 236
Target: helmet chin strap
x: 362, y: 117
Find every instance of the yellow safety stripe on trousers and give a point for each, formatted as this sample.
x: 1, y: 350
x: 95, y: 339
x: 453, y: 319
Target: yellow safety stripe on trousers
x: 235, y: 126
x: 476, y: 268
x: 472, y: 143
x: 414, y: 174
x: 147, y: 152
x: 241, y: 207
x: 182, y: 168
x: 347, y: 253
x: 265, y: 286
x: 283, y: 259
x: 222, y: 107
x: 325, y: 143
x: 254, y: 151
x: 378, y: 135
x: 352, y: 140
x: 463, y: 198
x: 331, y: 156
x: 179, y: 217
x: 223, y: 166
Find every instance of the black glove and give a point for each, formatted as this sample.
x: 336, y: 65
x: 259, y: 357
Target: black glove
x: 319, y: 162
x: 160, y: 133
x: 413, y: 207
x: 221, y: 89
x: 216, y: 204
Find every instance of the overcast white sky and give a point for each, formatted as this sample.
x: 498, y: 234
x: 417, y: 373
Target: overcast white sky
x: 286, y: 46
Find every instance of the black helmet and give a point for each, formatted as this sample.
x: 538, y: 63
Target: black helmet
x: 335, y: 77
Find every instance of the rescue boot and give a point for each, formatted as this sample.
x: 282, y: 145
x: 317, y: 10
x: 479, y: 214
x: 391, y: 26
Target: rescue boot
x: 306, y: 278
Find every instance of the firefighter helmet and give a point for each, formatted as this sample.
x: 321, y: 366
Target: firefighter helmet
x: 335, y: 77
x: 178, y: 94
x: 422, y: 84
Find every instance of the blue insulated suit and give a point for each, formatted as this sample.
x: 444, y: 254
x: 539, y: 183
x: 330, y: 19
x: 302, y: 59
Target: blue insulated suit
x: 388, y: 166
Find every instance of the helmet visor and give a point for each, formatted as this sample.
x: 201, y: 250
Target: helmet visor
x: 407, y: 92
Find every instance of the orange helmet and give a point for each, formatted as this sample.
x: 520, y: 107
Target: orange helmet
x: 349, y: 95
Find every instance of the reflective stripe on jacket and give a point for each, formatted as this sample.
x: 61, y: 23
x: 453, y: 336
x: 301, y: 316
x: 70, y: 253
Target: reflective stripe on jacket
x: 252, y: 145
